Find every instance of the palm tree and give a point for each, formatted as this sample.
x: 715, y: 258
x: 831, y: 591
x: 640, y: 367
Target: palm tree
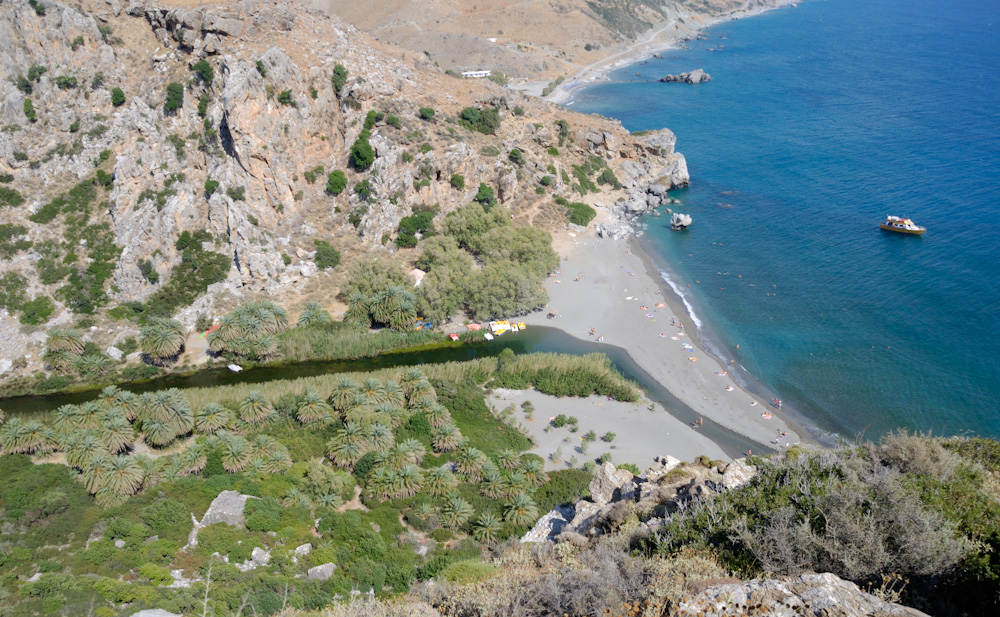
x: 534, y: 471
x: 263, y: 445
x: 235, y: 452
x: 265, y: 347
x: 456, y: 512
x: 380, y: 437
x: 422, y: 390
x: 128, y: 402
x: 492, y: 485
x: 162, y: 339
x: 108, y: 397
x: 488, y: 528
x: 374, y: 391
x: 65, y: 340
x: 469, y: 461
x: 193, y: 459
x: 65, y: 419
x: 89, y: 415
x: 517, y: 482
x: 212, y: 418
x: 92, y: 364
x: 438, y: 415
x: 412, y: 450
x: 116, y: 433
x: 157, y: 433
x: 123, y: 476
x: 254, y: 408
x: 313, y: 314
x: 343, y: 393
x: 386, y: 413
x: 180, y: 417
x: 507, y: 459
x: 344, y: 453
x: 440, y: 481
x: 520, y: 510
x: 394, y: 394
x: 411, y: 378
x: 81, y: 447
x: 277, y: 460
x: 256, y: 469
x: 358, y: 310
x: 313, y: 408
x: 329, y: 500
x: 445, y: 438
x: 94, y: 470
x: 411, y: 480
x: 296, y: 498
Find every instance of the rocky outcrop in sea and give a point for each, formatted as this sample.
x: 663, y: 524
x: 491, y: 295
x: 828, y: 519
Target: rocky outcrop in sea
x: 697, y: 76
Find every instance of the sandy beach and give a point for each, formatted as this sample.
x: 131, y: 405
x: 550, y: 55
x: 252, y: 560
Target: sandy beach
x: 639, y: 432
x: 605, y: 293
x: 663, y: 37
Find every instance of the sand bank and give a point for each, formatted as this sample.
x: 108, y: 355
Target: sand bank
x: 642, y: 430
x: 604, y: 293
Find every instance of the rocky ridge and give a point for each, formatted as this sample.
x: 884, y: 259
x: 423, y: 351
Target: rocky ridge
x: 264, y: 153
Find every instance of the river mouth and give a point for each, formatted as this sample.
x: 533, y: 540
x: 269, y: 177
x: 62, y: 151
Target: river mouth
x: 533, y: 340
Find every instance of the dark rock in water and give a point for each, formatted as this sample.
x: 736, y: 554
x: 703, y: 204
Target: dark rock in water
x: 696, y: 76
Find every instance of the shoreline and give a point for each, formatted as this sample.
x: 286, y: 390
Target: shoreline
x: 663, y: 37
x: 607, y: 292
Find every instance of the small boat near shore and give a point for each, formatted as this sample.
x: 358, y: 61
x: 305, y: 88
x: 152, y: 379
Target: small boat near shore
x: 236, y: 368
x: 902, y: 225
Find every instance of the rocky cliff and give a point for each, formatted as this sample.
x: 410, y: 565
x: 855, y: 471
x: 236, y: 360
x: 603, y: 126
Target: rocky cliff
x: 242, y: 146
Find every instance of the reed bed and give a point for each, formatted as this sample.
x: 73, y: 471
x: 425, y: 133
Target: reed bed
x: 339, y: 341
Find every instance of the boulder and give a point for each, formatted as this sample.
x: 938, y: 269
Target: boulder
x: 115, y: 353
x: 321, y: 573
x: 260, y: 556
x: 611, y: 484
x: 808, y: 594
x: 585, y: 517
x: 738, y: 473
x: 226, y: 508
x: 550, y: 525
x: 660, y: 468
x: 119, y: 543
x: 696, y: 76
x: 303, y: 550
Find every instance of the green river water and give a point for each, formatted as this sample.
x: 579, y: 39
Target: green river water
x: 532, y: 340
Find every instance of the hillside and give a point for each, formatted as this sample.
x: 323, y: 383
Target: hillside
x: 529, y: 39
x: 172, y: 162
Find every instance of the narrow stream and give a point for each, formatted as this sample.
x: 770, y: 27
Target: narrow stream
x: 533, y: 340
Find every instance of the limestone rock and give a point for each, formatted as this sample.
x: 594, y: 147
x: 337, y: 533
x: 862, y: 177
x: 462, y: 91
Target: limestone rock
x: 550, y: 525
x: 115, y: 353
x: 611, y: 483
x: 696, y: 76
x: 260, y: 556
x: 824, y: 595
x: 660, y: 468
x: 738, y: 473
x: 227, y: 507
x: 322, y: 572
x: 303, y: 550
x: 586, y: 515
x: 119, y: 543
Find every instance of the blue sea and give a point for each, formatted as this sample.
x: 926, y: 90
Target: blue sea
x: 820, y: 120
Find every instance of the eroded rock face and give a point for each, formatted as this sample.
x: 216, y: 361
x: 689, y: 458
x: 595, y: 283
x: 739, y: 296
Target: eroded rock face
x: 738, y: 473
x: 611, y: 483
x: 823, y: 595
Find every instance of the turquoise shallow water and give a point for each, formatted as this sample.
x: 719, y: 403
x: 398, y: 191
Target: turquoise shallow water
x: 820, y: 120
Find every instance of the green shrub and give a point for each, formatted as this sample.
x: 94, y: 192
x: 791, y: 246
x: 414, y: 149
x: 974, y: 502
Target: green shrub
x: 38, y: 7
x: 426, y: 113
x: 205, y: 71
x: 29, y: 110
x: 338, y: 78
x: 393, y: 121
x: 287, y: 98
x: 547, y: 181
x: 211, y: 186
x: 326, y: 256
x: 580, y: 213
x: 156, y: 574
x: 336, y: 182
x: 10, y: 198
x: 263, y: 514
x: 261, y: 68
x: 175, y: 98
x: 467, y: 572
x: 362, y: 153
x: 516, y: 157
x: 167, y: 517
x: 37, y: 312
x: 458, y: 181
x: 203, y: 106
x: 236, y: 193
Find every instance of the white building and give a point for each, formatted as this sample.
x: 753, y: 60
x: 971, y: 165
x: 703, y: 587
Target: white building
x: 475, y: 74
